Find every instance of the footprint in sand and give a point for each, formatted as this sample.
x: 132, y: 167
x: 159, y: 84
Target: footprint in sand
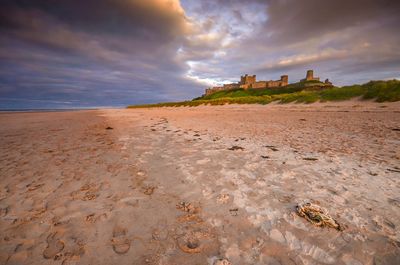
x: 87, y: 192
x: 198, y: 239
x: 189, y: 244
x: 54, y: 246
x: 148, y: 190
x: 32, y: 186
x: 121, y: 244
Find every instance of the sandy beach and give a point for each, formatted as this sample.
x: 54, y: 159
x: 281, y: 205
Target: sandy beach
x: 198, y: 185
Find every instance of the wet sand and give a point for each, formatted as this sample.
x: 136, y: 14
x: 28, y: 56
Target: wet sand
x: 194, y: 185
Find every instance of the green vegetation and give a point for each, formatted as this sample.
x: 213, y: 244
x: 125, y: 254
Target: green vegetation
x: 305, y: 92
x: 380, y: 91
x: 217, y: 101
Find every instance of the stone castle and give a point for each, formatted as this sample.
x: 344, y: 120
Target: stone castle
x: 249, y: 82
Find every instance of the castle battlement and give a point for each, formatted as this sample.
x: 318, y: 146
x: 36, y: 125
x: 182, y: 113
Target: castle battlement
x: 250, y: 82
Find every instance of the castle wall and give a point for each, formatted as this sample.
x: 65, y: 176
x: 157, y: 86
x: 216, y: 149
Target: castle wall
x: 259, y: 84
x: 274, y: 83
x: 212, y: 90
x: 270, y: 84
x: 249, y: 81
x: 231, y: 86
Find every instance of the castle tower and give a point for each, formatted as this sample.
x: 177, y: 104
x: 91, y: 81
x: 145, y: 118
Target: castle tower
x: 284, y: 80
x: 310, y: 75
x: 247, y: 79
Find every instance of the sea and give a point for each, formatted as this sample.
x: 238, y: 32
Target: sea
x: 43, y: 110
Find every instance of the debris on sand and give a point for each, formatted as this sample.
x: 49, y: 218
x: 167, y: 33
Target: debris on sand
x: 317, y: 215
x: 89, y: 196
x: 90, y: 218
x: 190, y: 217
x: 396, y: 129
x: 395, y: 169
x: 222, y: 262
x: 264, y: 157
x: 272, y: 147
x: 187, y: 207
x: 148, y: 190
x: 235, y: 147
x: 310, y: 158
x: 234, y: 211
x: 109, y: 128
x: 223, y: 198
x: 34, y: 187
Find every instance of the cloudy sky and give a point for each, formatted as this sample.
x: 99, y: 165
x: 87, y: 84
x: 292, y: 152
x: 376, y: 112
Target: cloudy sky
x: 74, y: 53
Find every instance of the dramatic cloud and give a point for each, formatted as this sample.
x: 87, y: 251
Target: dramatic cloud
x: 71, y: 53
x: 93, y: 53
x: 347, y: 41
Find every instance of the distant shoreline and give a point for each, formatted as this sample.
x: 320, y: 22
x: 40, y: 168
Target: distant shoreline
x: 4, y: 111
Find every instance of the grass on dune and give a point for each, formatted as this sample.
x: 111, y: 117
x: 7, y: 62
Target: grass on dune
x: 380, y: 91
x: 217, y: 101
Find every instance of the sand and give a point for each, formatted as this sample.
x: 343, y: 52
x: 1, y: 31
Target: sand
x: 195, y: 185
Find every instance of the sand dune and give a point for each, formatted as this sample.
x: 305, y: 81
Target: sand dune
x: 195, y: 185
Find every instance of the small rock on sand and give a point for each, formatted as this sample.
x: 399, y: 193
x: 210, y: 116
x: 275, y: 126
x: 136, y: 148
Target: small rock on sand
x: 222, y: 262
x: 235, y: 147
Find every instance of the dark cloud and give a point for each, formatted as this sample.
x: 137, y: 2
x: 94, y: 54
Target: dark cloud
x: 292, y: 21
x: 151, y: 20
x: 91, y: 53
